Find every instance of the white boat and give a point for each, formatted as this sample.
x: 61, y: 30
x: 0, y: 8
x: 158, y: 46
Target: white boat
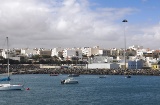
x: 11, y: 87
x: 8, y: 86
x: 69, y: 81
x: 73, y: 75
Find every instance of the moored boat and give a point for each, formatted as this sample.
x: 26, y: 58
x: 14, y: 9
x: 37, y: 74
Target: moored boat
x: 102, y: 76
x: 11, y: 87
x: 69, y: 81
x: 54, y: 74
x: 128, y: 76
x: 73, y: 75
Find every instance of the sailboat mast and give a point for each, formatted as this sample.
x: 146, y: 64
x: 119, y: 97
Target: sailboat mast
x: 7, y: 57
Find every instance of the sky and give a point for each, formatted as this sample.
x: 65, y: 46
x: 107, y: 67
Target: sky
x: 80, y: 23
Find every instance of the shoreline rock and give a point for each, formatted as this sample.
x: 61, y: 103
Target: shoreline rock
x: 35, y: 69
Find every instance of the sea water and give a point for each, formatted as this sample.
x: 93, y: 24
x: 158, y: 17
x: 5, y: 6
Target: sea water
x: 91, y: 90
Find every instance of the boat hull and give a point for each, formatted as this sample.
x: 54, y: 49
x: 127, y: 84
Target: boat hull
x: 128, y: 76
x: 69, y: 81
x: 102, y: 76
x: 11, y: 87
x: 73, y: 75
x: 53, y: 74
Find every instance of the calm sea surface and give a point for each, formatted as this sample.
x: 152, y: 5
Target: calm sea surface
x: 91, y: 90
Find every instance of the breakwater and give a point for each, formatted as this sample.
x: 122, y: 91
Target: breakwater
x: 35, y: 69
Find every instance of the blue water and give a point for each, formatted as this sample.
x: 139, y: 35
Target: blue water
x: 91, y: 90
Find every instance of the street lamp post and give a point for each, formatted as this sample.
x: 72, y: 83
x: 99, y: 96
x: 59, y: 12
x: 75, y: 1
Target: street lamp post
x: 124, y: 21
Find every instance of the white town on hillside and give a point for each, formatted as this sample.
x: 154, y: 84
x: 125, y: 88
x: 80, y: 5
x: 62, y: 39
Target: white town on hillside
x: 95, y: 57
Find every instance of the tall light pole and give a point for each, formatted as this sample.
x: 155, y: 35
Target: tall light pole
x: 124, y: 21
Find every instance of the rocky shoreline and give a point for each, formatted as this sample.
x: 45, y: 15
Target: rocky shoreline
x: 35, y: 69
x: 90, y: 72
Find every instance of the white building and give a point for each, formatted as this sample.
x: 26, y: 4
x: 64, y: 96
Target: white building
x: 103, y: 66
x: 141, y: 52
x: 2, y: 53
x: 90, y: 51
x: 11, y: 56
x: 104, y: 52
x: 56, y: 51
x: 102, y: 59
x: 135, y: 47
x: 69, y: 53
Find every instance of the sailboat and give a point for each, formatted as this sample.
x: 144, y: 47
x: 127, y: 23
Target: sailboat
x: 8, y: 86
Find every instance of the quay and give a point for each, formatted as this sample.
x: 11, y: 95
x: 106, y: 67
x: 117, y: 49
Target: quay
x: 35, y: 69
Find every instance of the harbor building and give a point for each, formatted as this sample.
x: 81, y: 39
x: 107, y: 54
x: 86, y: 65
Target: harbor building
x: 137, y: 64
x: 103, y: 66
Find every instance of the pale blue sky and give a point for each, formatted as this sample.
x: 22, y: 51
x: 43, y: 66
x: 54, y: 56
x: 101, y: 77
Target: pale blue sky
x: 147, y: 10
x: 80, y: 23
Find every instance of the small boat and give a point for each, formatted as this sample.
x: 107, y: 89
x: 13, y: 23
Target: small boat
x: 73, y: 75
x: 69, y: 81
x: 128, y: 76
x: 102, y: 76
x: 11, y: 87
x: 53, y: 74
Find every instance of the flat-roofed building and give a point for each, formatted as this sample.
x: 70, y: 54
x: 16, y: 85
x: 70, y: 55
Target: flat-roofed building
x: 103, y: 66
